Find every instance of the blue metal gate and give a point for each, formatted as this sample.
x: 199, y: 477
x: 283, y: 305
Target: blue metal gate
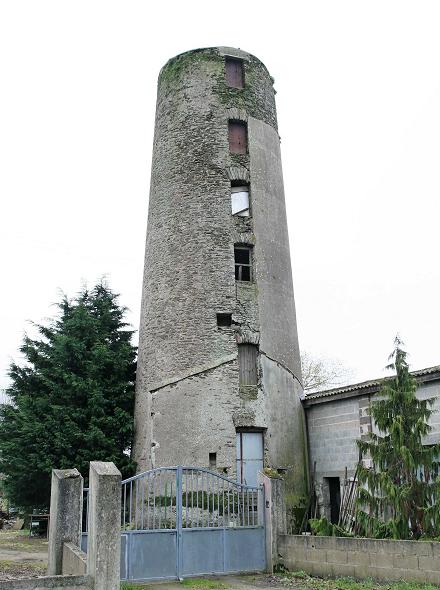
x: 187, y: 521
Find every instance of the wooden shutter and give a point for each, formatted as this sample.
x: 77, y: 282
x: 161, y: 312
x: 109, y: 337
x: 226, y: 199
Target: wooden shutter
x: 237, y: 137
x: 234, y: 72
x: 247, y: 361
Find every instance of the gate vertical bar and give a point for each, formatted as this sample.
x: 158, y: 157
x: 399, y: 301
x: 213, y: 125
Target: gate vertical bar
x: 179, y: 521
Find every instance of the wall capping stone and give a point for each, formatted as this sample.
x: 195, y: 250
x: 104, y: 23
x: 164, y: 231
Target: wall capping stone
x: 233, y: 52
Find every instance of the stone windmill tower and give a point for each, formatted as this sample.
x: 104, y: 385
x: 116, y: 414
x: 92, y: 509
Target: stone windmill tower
x: 219, y: 375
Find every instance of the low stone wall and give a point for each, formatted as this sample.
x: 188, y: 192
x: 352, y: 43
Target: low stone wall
x: 413, y: 561
x: 54, y: 582
x: 74, y: 560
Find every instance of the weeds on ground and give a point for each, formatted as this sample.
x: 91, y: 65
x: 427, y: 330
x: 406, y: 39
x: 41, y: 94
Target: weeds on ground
x: 12, y: 569
x: 287, y: 578
x: 192, y: 583
x: 20, y: 541
x: 130, y: 586
x: 204, y: 584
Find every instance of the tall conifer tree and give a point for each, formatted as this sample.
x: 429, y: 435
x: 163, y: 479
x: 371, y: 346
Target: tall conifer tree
x: 400, y: 493
x: 72, y: 400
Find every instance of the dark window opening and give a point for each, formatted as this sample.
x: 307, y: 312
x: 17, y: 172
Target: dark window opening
x: 237, y: 137
x: 224, y: 319
x: 243, y: 263
x: 334, y: 488
x: 247, y: 364
x: 212, y: 460
x: 234, y: 72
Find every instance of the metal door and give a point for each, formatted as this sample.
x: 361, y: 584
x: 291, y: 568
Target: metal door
x: 249, y: 457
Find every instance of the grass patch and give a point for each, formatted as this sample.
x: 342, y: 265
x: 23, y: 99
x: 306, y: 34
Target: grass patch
x: 8, y: 564
x: 13, y: 569
x: 203, y: 583
x: 20, y: 541
x: 131, y: 586
x: 311, y: 583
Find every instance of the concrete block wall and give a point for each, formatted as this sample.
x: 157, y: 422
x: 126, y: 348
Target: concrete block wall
x: 333, y: 429
x: 387, y: 560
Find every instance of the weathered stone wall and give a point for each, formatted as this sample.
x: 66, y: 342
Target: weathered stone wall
x: 188, y: 401
x: 413, y: 561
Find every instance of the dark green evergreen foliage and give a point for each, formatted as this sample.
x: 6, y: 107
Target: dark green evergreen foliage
x: 73, y: 400
x: 400, y: 493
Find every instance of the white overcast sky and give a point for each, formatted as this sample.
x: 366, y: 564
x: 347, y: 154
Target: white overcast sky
x: 358, y: 96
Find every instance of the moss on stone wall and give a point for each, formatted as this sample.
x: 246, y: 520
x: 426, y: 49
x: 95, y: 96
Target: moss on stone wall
x: 257, y: 97
x: 171, y: 73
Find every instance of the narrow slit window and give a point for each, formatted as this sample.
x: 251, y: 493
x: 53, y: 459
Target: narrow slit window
x: 212, y: 460
x: 247, y: 363
x: 243, y: 263
x: 240, y: 201
x: 234, y: 72
x: 237, y: 137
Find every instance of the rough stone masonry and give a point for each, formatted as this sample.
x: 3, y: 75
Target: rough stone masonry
x: 190, y: 396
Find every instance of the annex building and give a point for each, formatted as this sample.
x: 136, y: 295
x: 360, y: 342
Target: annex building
x: 336, y: 418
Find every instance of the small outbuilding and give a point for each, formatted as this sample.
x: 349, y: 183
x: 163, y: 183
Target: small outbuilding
x: 336, y: 418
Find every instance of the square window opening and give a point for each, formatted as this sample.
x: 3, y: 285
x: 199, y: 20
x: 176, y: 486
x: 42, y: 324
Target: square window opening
x: 224, y: 320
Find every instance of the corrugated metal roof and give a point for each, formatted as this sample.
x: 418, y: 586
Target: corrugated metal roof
x: 374, y: 383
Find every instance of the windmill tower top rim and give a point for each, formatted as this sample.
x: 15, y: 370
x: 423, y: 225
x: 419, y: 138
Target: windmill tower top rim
x: 223, y: 51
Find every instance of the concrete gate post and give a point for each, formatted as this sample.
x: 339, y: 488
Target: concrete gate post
x: 66, y: 500
x: 104, y: 537
x: 275, y: 516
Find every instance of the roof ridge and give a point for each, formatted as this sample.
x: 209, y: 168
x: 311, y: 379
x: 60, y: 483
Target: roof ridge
x: 368, y: 383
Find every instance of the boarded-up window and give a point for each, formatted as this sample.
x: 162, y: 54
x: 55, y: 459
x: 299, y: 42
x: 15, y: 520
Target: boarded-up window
x: 234, y: 72
x: 237, y: 137
x: 240, y: 200
x: 247, y: 362
x: 243, y: 263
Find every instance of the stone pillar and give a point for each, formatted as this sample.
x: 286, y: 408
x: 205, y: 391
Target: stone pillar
x: 104, y: 538
x: 275, y: 516
x: 65, y: 515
